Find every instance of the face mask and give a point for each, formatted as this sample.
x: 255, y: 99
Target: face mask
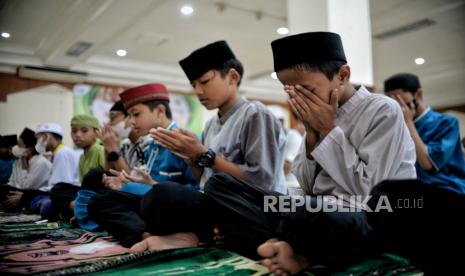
x: 18, y: 151
x: 41, y: 146
x: 121, y: 130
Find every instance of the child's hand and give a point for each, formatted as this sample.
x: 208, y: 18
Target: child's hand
x: 109, y: 139
x: 113, y: 182
x: 144, y: 177
x: 311, y: 110
x: 13, y: 199
x: 408, y: 111
x: 181, y: 142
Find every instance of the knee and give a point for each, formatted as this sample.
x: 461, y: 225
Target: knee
x: 218, y: 182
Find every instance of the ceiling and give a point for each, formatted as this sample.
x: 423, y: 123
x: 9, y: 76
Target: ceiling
x: 156, y: 35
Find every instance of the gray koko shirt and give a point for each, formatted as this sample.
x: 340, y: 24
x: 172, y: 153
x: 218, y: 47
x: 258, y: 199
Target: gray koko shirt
x: 251, y: 137
x: 370, y: 143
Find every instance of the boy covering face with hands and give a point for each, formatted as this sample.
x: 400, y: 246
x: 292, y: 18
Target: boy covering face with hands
x: 354, y: 139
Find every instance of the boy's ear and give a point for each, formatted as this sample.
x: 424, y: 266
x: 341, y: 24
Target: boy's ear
x: 419, y: 94
x: 160, y: 109
x: 234, y: 77
x: 344, y: 74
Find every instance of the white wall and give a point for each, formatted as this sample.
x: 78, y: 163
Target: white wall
x: 50, y: 103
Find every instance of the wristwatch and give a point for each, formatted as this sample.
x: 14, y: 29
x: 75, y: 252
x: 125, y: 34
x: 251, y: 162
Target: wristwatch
x: 205, y: 159
x: 113, y: 156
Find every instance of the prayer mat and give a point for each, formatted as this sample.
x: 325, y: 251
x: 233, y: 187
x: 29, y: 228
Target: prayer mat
x: 48, y: 234
x: 47, y: 255
x: 386, y: 264
x: 17, y: 218
x: 192, y: 261
x: 32, y: 226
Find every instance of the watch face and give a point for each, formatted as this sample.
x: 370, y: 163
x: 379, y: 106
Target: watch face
x: 206, y: 159
x: 112, y: 156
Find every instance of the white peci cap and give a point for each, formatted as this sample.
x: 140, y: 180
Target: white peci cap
x: 50, y: 128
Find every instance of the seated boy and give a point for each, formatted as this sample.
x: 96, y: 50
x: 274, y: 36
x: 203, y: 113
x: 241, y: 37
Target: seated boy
x: 31, y: 171
x: 124, y: 148
x: 84, y: 134
x: 244, y: 140
x: 118, y: 211
x: 354, y: 139
x: 436, y: 136
x: 6, y: 158
x: 65, y: 164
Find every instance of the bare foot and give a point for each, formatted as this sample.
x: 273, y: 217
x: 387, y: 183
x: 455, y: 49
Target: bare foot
x: 280, y: 259
x: 178, y: 240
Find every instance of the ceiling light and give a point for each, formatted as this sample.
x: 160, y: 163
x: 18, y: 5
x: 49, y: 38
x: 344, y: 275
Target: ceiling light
x: 274, y: 76
x: 121, y: 52
x: 282, y: 31
x: 419, y: 61
x: 5, y: 35
x: 186, y: 10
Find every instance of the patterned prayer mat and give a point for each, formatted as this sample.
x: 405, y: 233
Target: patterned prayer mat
x: 386, y: 264
x: 46, y: 255
x: 57, y: 249
x: 48, y: 234
x: 192, y: 261
x: 32, y: 226
x: 17, y: 218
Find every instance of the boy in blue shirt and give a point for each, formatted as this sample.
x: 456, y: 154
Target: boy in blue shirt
x: 118, y: 211
x: 6, y: 158
x: 440, y: 160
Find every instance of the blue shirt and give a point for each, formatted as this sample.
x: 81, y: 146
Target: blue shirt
x: 6, y: 168
x: 163, y: 165
x: 440, y: 133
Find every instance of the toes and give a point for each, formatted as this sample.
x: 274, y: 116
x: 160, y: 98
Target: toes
x: 267, y: 262
x: 138, y: 247
x: 266, y: 250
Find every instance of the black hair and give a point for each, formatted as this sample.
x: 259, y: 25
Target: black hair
x: 231, y: 64
x: 329, y: 68
x: 154, y: 104
x: 58, y: 137
x: 405, y: 81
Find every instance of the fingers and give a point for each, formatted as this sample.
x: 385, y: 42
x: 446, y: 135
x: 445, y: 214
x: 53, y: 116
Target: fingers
x: 309, y: 95
x: 301, y: 106
x: 165, y: 137
x: 401, y: 101
x: 152, y: 133
x: 141, y: 171
x: 127, y: 178
x: 115, y: 172
x: 99, y: 134
x: 334, y: 99
x: 188, y: 133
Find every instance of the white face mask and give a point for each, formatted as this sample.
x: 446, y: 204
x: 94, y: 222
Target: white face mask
x: 121, y: 130
x: 41, y: 146
x: 18, y: 151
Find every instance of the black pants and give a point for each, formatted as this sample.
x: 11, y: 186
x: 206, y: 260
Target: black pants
x: 239, y: 211
x: 118, y: 213
x: 422, y: 224
x: 62, y: 194
x: 166, y: 209
x: 426, y: 233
